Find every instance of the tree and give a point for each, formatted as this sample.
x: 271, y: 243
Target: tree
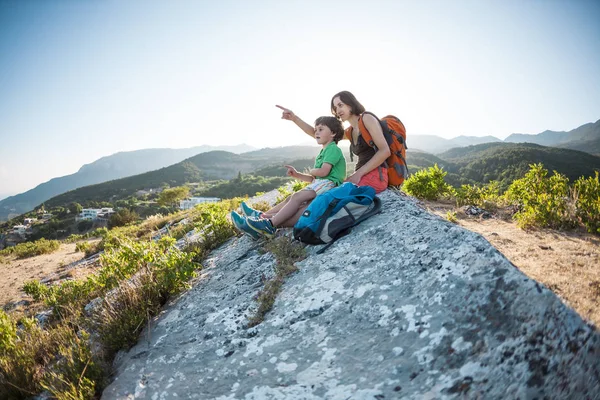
x: 170, y: 197
x: 84, y: 225
x: 122, y: 217
x: 75, y: 208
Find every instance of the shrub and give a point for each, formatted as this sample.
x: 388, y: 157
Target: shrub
x: 587, y: 202
x: 428, y: 184
x: 31, y: 249
x: 84, y: 225
x: 451, y: 216
x: 486, y: 196
x: 212, y: 223
x: 284, y: 192
x: 299, y: 185
x: 122, y: 217
x: 541, y: 200
x: 35, y: 289
x: 83, y: 247
x: 58, y: 359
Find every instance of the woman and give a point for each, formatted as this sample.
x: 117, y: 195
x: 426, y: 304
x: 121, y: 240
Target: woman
x: 370, y: 168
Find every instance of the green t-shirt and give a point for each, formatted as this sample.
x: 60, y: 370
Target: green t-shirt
x: 332, y: 154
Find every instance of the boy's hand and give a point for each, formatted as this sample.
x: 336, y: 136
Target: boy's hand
x: 291, y: 171
x: 287, y: 113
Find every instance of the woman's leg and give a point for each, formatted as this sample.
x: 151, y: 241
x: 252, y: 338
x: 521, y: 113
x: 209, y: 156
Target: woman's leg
x: 377, y: 179
x: 293, y: 205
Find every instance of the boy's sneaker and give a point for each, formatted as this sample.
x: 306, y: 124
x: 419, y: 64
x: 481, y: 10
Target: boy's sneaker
x: 240, y: 223
x: 249, y: 211
x: 262, y: 226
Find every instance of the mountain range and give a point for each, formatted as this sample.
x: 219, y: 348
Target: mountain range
x: 585, y: 138
x: 115, y: 166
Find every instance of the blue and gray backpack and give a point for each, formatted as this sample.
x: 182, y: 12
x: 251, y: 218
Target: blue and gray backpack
x: 332, y: 214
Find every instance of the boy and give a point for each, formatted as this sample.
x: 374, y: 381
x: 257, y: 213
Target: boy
x: 329, y: 172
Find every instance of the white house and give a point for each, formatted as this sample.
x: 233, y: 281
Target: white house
x: 92, y: 214
x: 19, y: 230
x: 29, y: 221
x: 193, y: 201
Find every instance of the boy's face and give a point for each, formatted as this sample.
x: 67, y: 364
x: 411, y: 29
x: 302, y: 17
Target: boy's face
x: 323, y: 134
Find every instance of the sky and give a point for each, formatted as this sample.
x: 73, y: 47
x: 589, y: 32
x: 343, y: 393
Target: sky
x: 80, y: 80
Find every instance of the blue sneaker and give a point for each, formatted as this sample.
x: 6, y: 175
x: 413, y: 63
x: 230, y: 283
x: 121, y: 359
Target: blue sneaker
x: 240, y: 224
x: 262, y: 226
x: 249, y: 211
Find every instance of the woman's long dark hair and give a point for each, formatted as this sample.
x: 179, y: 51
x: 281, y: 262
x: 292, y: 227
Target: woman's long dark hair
x: 348, y: 98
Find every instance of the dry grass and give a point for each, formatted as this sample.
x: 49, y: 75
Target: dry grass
x: 568, y: 263
x: 15, y: 272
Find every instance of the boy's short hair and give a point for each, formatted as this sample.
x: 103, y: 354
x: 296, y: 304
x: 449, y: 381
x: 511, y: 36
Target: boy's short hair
x: 348, y: 98
x: 334, y: 124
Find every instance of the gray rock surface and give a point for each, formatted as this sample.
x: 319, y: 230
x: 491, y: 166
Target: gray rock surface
x: 407, y: 306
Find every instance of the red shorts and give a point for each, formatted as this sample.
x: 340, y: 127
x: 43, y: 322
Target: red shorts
x: 377, y: 181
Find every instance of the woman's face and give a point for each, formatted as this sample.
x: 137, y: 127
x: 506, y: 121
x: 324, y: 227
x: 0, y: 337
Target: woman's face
x: 342, y: 110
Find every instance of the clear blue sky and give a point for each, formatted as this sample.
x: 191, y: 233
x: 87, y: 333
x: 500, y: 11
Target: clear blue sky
x: 84, y: 79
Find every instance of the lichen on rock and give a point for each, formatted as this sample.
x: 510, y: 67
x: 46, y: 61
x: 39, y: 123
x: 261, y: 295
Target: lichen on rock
x: 406, y: 306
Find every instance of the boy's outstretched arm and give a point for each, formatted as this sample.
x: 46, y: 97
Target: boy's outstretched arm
x: 290, y: 116
x: 321, y: 172
x: 291, y: 171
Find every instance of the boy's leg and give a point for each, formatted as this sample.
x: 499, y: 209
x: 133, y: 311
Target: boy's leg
x: 293, y: 205
x: 290, y: 222
x: 271, y: 213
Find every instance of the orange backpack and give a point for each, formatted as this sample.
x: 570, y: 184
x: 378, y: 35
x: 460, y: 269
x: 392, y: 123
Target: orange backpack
x: 394, y: 133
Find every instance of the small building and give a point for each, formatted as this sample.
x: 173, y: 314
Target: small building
x: 46, y: 216
x: 193, y: 201
x: 29, y: 221
x: 19, y: 230
x: 92, y: 214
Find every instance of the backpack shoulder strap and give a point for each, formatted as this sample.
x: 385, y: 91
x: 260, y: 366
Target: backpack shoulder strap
x: 363, y: 129
x: 348, y: 133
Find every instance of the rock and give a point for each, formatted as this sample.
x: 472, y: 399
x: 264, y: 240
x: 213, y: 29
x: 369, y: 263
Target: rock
x: 408, y: 305
x: 476, y: 211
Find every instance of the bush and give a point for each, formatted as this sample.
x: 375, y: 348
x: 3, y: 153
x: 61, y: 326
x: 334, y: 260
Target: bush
x: 541, y: 201
x: 587, y: 201
x: 122, y: 217
x: 428, y: 184
x: 83, y: 247
x: 31, y: 249
x: 58, y: 359
x: 298, y: 185
x: 84, y: 225
x: 486, y: 196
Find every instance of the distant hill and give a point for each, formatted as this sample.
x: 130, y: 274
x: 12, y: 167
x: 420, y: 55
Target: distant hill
x: 584, y: 138
x: 205, y: 166
x: 435, y: 144
x: 589, y: 146
x: 115, y: 166
x: 506, y: 162
x: 575, y: 139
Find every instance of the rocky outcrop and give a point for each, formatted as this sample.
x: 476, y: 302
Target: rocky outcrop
x: 407, y: 306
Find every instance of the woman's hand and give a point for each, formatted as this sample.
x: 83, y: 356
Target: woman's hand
x: 354, y: 178
x: 287, y: 113
x: 291, y: 171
